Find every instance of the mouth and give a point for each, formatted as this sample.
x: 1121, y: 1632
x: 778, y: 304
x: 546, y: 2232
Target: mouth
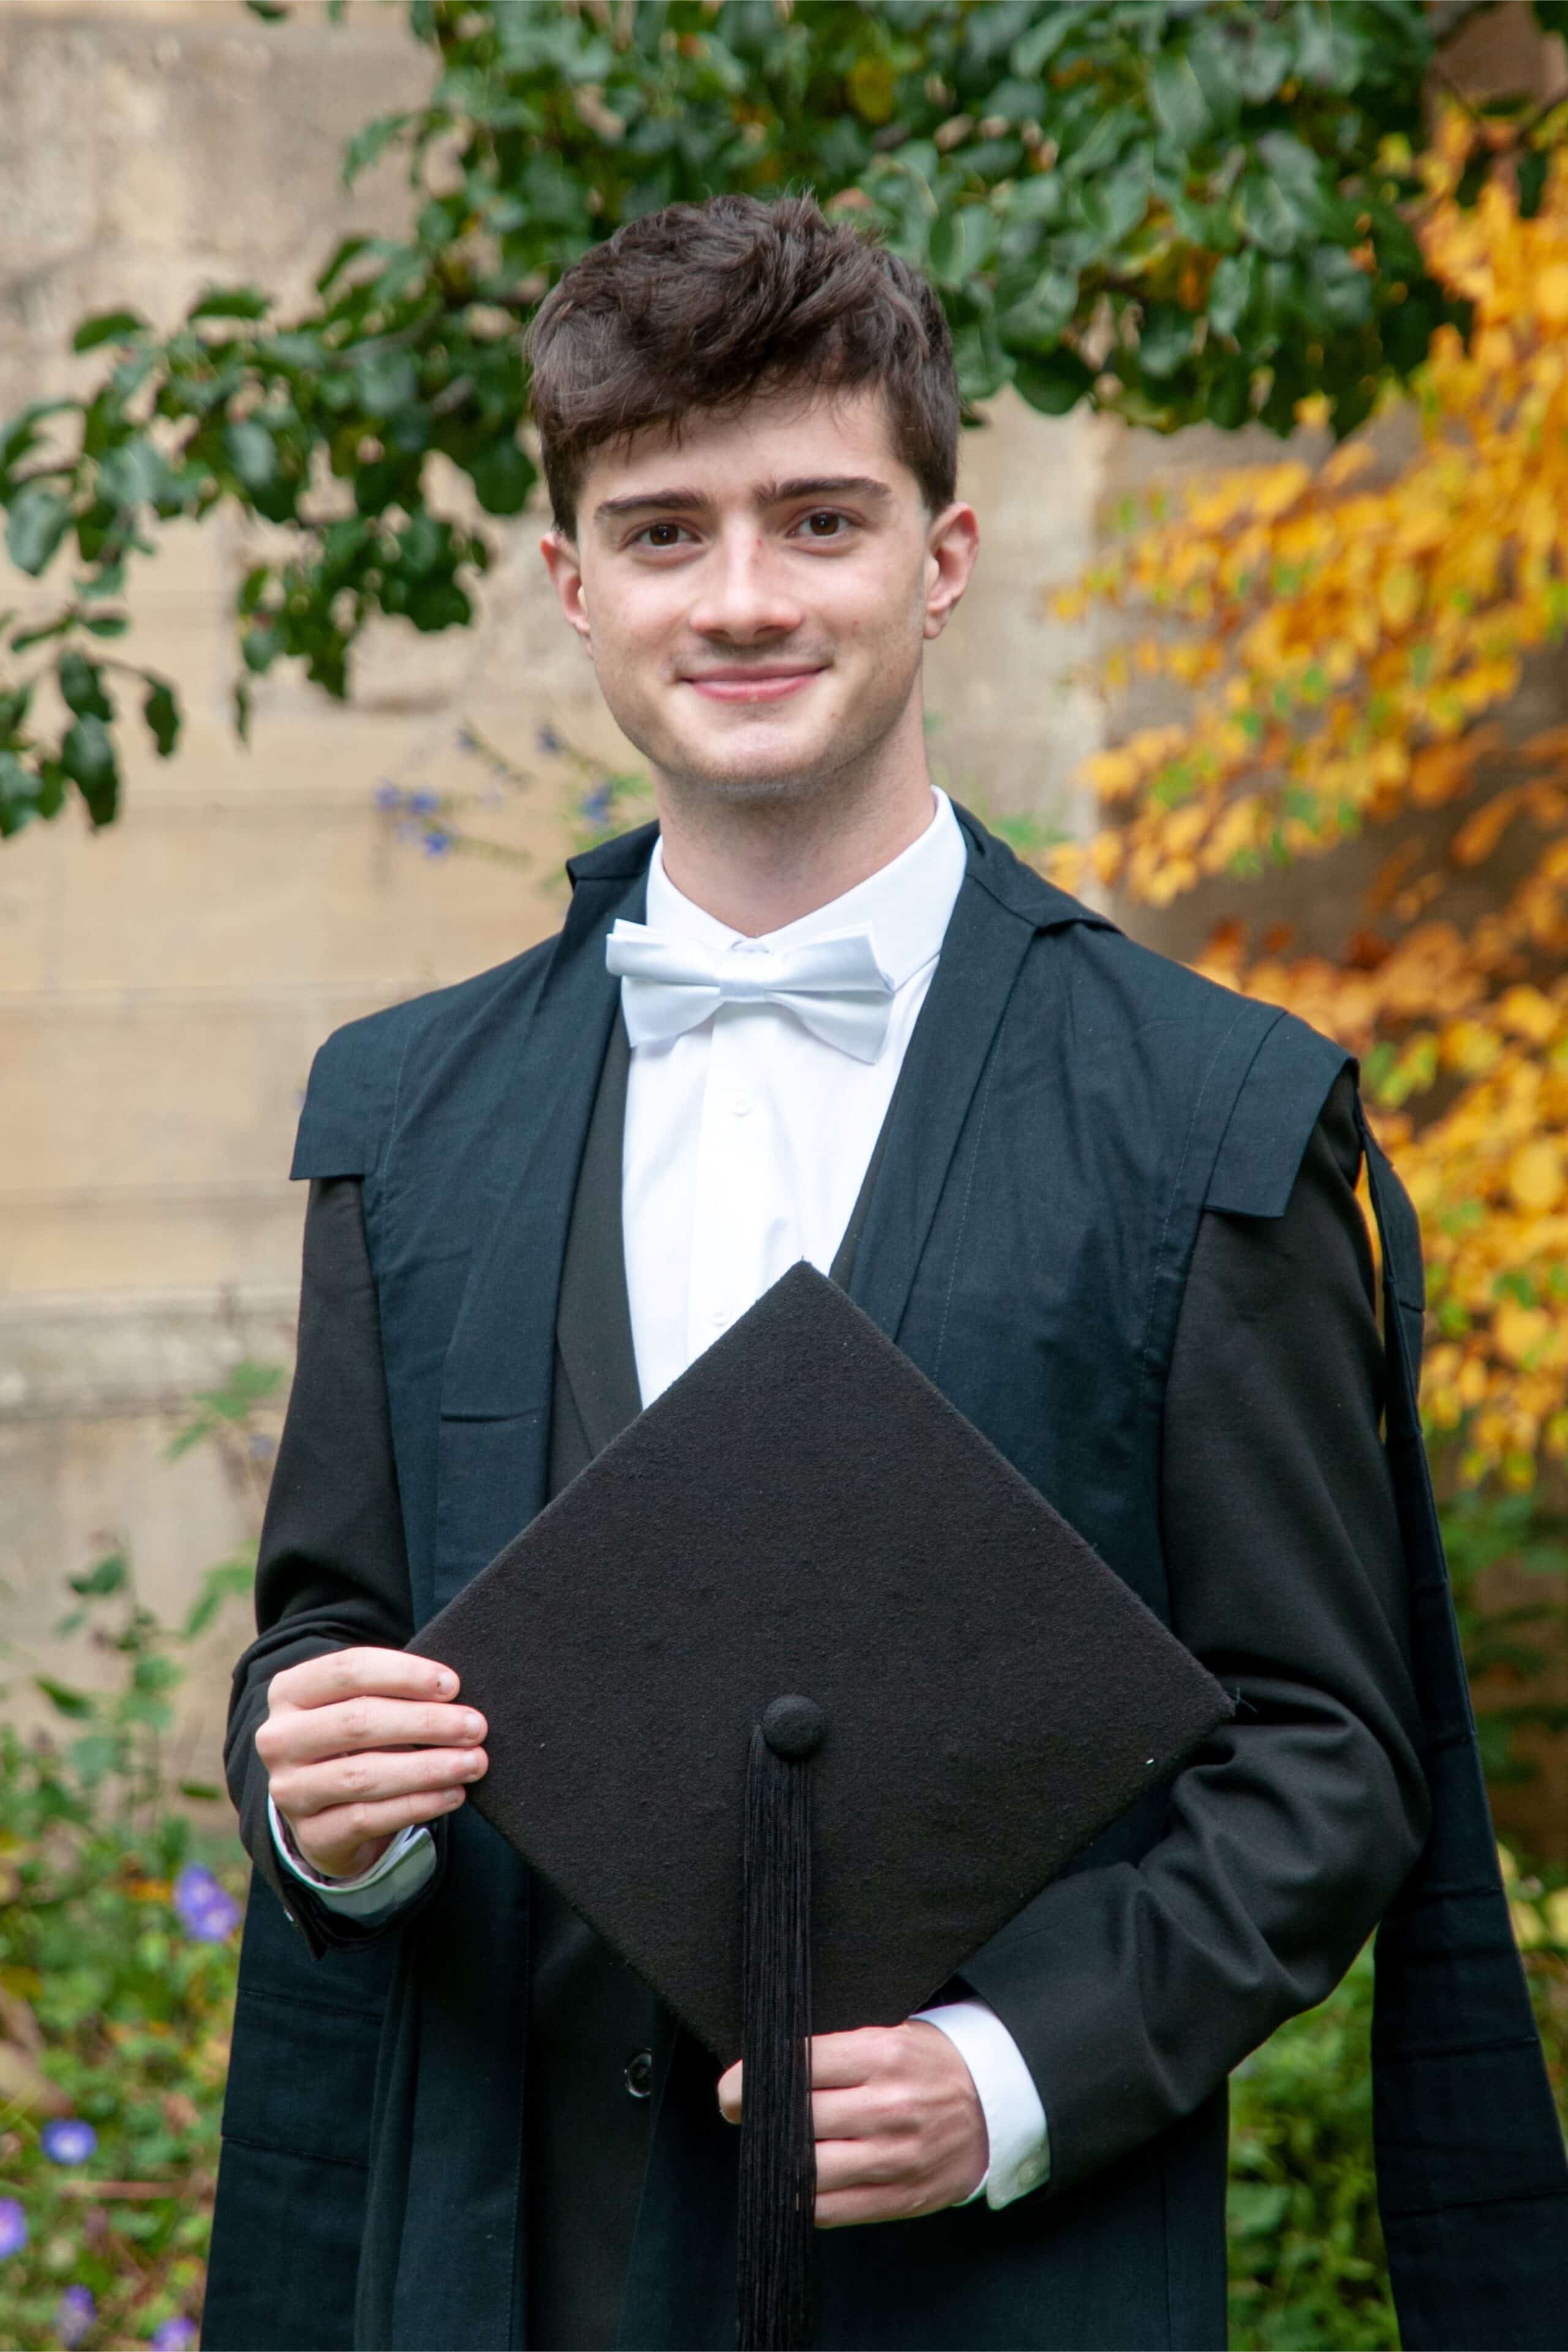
x: 756, y: 684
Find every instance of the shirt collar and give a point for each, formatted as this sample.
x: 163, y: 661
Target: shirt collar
x: 905, y: 905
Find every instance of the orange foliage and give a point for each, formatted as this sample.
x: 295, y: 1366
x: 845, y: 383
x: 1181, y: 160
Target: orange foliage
x: 1343, y: 634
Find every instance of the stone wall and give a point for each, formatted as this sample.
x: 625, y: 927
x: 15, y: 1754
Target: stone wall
x: 164, y: 985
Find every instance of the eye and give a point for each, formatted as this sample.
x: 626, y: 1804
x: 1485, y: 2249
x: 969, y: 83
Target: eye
x: 825, y: 522
x: 660, y: 535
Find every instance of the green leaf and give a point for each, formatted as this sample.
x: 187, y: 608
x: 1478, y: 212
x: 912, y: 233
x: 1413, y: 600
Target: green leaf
x: 502, y: 477
x: 109, y: 1574
x: 1231, y: 290
x: 81, y: 685
x: 104, y: 624
x: 271, y: 12
x: 1037, y: 321
x: 86, y: 755
x: 1180, y: 107
x: 75, y: 1704
x: 960, y: 242
x: 36, y: 525
x: 370, y: 144
x: 162, y: 712
x: 231, y: 1579
x: 231, y: 302
x: 1533, y: 169
x: 201, y: 1792
x: 252, y: 452
x: 1054, y: 382
x: 1164, y: 338
x: 244, y: 704
x: 108, y: 327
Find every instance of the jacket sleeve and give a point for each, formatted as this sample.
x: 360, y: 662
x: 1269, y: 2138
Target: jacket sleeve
x: 332, y: 1570
x: 1133, y: 1988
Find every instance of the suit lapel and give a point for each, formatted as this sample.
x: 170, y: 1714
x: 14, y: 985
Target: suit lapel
x: 495, y: 1402
x: 999, y: 909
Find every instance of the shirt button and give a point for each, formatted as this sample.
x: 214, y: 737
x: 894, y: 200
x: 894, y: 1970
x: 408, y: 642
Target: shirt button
x: 718, y: 1316
x: 740, y: 1104
x: 639, y: 2074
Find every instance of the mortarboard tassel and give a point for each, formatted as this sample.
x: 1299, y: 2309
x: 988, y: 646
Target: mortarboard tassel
x: 778, y: 2150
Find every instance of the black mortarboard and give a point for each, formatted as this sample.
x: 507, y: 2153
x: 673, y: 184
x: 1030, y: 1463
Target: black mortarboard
x: 797, y: 1694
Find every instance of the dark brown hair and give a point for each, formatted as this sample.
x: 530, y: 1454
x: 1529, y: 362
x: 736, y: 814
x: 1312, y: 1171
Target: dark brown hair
x: 703, y: 306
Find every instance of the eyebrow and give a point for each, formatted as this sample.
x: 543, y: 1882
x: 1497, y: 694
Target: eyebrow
x: 769, y: 493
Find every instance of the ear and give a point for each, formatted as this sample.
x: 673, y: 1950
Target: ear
x: 951, y: 545
x: 564, y: 566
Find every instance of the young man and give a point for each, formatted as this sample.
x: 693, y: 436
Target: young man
x: 816, y: 1013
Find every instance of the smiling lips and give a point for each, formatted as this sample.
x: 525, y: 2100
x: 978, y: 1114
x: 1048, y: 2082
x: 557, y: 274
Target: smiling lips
x: 751, y: 684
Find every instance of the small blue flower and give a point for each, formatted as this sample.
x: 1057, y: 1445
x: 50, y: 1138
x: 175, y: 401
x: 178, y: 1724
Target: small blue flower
x: 436, y: 843
x: 206, y: 1911
x: 549, y: 742
x: 422, y: 803
x: 13, y: 2227
x: 596, y: 805
x: 387, y: 796
x: 68, y: 2141
x: 79, y: 2309
x: 175, y: 2335
x: 262, y: 1446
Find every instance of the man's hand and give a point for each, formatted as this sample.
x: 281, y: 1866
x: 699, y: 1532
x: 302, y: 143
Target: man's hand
x: 899, y: 2125
x: 360, y: 1743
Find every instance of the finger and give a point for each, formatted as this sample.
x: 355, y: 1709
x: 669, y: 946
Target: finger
x: 838, y: 2060
x: 345, y: 1826
x: 844, y: 2164
x: 862, y: 2111
x: 310, y: 1789
x: 304, y: 1735
x: 850, y: 2208
x: 346, y: 1674
x: 729, y: 2095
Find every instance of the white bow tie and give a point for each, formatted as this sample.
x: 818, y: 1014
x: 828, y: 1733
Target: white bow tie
x: 833, y: 986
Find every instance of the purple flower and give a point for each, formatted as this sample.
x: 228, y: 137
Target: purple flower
x: 550, y: 742
x: 422, y: 803
x: 207, y: 1912
x: 596, y: 805
x: 436, y: 843
x: 79, y: 2309
x: 69, y: 2141
x: 13, y: 2227
x: 387, y: 796
x: 176, y: 2335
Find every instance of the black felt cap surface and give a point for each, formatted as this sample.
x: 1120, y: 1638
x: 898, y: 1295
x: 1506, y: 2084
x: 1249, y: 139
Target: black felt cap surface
x: 802, y: 1513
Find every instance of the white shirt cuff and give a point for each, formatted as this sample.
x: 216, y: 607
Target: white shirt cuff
x: 1020, y: 2145
x: 388, y: 1883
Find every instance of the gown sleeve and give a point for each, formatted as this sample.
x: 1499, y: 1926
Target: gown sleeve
x: 1132, y: 1990
x: 332, y: 1570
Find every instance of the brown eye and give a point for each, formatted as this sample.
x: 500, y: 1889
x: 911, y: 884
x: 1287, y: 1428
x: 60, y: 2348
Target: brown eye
x: 824, y: 525
x: 663, y: 534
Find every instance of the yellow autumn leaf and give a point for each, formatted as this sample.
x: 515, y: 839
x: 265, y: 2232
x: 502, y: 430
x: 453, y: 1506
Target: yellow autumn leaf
x: 1551, y: 294
x: 1535, y: 1176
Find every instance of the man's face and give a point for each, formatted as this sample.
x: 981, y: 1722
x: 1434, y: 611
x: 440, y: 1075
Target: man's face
x: 756, y: 596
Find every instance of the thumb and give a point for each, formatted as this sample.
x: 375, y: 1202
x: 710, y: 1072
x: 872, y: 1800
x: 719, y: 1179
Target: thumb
x: 729, y: 2095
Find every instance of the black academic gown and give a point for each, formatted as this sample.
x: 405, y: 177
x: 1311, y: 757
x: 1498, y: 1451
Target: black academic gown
x: 1184, y: 1938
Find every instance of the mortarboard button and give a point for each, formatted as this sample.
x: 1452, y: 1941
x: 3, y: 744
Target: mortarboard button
x: 794, y: 1726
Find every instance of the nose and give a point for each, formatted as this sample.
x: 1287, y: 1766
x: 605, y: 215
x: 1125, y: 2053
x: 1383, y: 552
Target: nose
x: 745, y: 595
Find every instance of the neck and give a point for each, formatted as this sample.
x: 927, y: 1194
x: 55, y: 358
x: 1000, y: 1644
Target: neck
x: 757, y: 864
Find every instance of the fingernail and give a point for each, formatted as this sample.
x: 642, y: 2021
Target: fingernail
x: 473, y: 1727
x: 445, y: 1684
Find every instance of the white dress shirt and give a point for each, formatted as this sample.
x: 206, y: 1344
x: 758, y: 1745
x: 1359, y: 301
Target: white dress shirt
x: 747, y: 1140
